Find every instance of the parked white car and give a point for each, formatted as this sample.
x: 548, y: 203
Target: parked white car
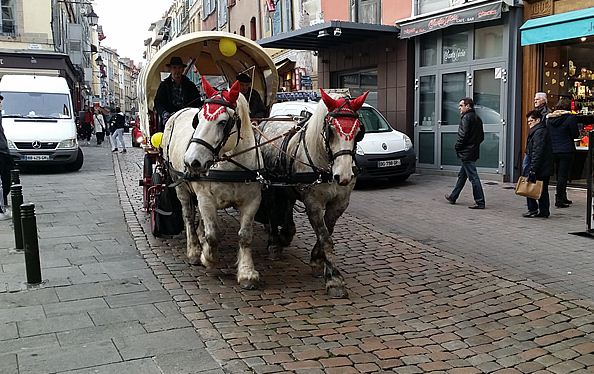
x: 383, y: 152
x: 39, y: 122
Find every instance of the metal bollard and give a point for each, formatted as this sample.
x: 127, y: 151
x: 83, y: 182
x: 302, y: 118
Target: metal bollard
x: 14, y: 177
x: 29, y: 223
x: 16, y: 196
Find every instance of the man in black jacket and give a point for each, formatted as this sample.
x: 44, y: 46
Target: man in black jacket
x: 538, y: 164
x: 176, y: 92
x: 470, y: 137
x: 257, y: 107
x: 5, y: 166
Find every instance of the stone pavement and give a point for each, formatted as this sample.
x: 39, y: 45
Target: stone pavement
x: 101, y: 308
x: 537, y: 249
x: 413, y: 307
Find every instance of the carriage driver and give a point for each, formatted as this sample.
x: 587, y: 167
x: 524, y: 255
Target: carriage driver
x: 257, y: 107
x: 175, y: 92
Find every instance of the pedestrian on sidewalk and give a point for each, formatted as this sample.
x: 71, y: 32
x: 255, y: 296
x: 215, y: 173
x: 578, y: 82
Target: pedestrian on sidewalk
x: 563, y: 129
x: 117, y: 131
x: 99, y: 123
x: 87, y: 125
x: 6, y: 166
x: 541, y: 104
x: 470, y: 137
x: 538, y: 164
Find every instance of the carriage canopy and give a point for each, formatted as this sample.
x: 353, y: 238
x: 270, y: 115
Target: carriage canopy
x: 200, y: 50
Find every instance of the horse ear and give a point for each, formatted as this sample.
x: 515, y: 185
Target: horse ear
x: 330, y: 102
x: 208, y: 90
x: 357, y: 103
x: 233, y: 93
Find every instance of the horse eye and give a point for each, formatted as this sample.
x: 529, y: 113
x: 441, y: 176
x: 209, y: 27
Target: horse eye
x: 223, y: 123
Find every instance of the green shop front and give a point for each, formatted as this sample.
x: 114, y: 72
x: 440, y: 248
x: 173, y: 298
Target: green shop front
x: 467, y: 51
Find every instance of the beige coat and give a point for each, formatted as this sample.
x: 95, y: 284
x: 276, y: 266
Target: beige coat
x: 98, y: 122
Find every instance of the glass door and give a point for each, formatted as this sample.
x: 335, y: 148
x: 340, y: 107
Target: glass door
x: 454, y: 87
x: 488, y: 85
x: 425, y: 123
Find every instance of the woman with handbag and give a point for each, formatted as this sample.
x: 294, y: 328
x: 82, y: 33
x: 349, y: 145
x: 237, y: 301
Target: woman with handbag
x: 99, y: 123
x: 538, y: 164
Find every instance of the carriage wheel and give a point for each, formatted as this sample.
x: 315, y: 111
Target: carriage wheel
x: 147, y: 173
x: 154, y: 197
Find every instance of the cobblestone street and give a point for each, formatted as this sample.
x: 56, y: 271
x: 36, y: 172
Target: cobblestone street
x: 117, y: 300
x: 412, y: 307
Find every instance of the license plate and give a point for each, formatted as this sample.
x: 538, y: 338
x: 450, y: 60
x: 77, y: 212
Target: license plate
x: 388, y: 163
x: 35, y: 157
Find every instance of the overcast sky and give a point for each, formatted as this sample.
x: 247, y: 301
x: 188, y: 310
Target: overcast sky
x: 126, y: 22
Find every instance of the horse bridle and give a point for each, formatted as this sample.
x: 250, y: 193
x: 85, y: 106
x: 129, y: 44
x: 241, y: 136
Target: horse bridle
x: 234, y: 121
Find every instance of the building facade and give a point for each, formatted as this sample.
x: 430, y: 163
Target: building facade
x: 466, y: 49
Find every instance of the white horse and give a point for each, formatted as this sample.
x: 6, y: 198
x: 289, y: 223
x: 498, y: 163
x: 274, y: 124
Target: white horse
x: 320, y: 157
x: 195, y: 140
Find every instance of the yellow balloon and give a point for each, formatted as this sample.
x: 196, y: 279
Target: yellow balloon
x: 156, y: 139
x: 227, y: 47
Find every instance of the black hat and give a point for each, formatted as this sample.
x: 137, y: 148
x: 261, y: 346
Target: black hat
x: 244, y: 78
x: 176, y: 61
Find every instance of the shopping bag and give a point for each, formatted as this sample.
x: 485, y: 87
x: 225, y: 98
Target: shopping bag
x: 528, y: 189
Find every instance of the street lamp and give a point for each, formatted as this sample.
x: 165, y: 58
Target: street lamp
x: 93, y: 18
x: 99, y: 60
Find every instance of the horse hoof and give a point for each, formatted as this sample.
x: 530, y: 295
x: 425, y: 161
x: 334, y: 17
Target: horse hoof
x: 249, y: 284
x: 194, y: 260
x: 337, y: 292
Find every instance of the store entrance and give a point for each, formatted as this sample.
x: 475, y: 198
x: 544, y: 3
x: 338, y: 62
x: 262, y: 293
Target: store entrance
x: 438, y: 117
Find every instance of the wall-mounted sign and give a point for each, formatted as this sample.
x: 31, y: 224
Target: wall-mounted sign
x: 472, y: 15
x: 541, y: 8
x: 454, y: 54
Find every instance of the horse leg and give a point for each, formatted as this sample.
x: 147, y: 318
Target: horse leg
x: 325, y: 251
x: 208, y: 215
x: 189, y: 213
x: 288, y: 229
x: 247, y: 275
x: 274, y: 247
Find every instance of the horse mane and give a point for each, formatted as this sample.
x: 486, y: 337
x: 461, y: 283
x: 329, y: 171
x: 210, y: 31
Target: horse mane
x: 315, y: 128
x: 243, y: 110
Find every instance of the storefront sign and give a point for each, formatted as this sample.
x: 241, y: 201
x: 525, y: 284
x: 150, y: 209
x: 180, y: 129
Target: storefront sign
x: 454, y: 54
x: 465, y: 16
x: 541, y: 8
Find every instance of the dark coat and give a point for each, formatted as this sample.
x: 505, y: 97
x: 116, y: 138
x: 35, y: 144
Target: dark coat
x: 257, y: 107
x: 563, y: 129
x: 544, y: 111
x: 470, y: 136
x: 539, y: 151
x: 118, y: 121
x: 191, y: 96
x: 3, y: 141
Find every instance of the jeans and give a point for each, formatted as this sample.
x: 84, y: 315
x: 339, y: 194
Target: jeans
x: 542, y: 205
x: 118, y: 135
x: 468, y: 171
x: 562, y: 163
x: 100, y: 137
x: 6, y: 166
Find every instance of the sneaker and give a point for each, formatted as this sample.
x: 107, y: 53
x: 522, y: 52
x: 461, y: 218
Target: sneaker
x: 124, y: 150
x: 476, y: 206
x: 114, y: 150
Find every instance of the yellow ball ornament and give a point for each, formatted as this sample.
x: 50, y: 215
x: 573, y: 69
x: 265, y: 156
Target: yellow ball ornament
x: 156, y: 139
x: 227, y: 47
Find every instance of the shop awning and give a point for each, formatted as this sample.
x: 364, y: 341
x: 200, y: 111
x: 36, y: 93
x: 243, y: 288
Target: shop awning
x: 284, y: 65
x: 562, y: 26
x: 459, y: 16
x: 332, y: 34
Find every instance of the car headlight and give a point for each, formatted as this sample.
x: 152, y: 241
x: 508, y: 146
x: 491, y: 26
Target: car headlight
x: 359, y: 150
x: 68, y: 143
x: 11, y: 144
x: 407, y: 143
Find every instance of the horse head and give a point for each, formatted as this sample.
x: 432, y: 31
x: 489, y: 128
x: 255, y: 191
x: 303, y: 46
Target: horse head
x: 216, y: 128
x: 342, y: 130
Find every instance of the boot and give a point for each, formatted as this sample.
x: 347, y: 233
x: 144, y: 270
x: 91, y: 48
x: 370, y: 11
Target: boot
x: 560, y: 202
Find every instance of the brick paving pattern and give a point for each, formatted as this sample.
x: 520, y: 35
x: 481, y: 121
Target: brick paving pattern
x: 413, y: 308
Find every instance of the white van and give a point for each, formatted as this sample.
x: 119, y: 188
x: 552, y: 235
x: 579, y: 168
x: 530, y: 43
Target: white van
x: 39, y: 122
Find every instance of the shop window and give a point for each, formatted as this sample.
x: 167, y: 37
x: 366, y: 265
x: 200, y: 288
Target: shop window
x: 455, y: 48
x: 489, y: 151
x: 428, y: 50
x: 365, y: 11
x: 359, y: 82
x: 488, y: 42
x: 427, y: 100
x: 569, y: 71
x: 426, y: 147
x: 7, y: 15
x: 428, y: 6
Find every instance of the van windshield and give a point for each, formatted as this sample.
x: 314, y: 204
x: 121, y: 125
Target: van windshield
x: 36, y: 105
x: 373, y: 121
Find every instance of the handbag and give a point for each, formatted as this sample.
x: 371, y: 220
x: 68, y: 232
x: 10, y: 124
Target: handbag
x: 529, y: 189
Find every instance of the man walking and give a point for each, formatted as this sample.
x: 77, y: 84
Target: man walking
x: 5, y: 167
x: 470, y: 137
